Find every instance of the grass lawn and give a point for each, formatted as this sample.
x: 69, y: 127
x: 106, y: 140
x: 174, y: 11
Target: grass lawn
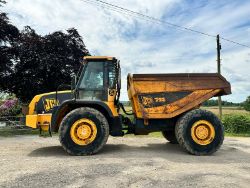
x: 227, y: 110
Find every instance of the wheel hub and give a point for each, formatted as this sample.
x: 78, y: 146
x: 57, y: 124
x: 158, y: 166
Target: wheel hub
x: 83, y: 131
x: 202, y: 132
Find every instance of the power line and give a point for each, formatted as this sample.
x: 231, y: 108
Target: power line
x: 228, y: 40
x: 140, y: 15
x: 156, y: 19
x: 117, y: 10
x: 132, y: 13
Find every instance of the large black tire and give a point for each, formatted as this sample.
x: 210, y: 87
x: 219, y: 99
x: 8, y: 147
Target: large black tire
x: 101, y: 136
x: 170, y: 136
x: 184, y: 136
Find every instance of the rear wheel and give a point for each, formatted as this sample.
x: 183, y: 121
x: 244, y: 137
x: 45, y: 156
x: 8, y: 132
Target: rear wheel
x: 84, y: 131
x: 200, y: 132
x: 170, y: 136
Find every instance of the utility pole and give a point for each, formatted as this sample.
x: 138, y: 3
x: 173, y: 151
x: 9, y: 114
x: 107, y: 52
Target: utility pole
x: 219, y: 71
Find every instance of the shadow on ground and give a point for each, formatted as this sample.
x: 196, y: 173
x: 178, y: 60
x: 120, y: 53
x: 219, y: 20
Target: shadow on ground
x: 48, y: 152
x: 170, y: 152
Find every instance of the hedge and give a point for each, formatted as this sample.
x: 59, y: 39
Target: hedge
x: 237, y: 123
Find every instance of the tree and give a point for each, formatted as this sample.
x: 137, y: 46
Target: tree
x: 2, y: 2
x: 247, y: 104
x: 44, y: 62
x: 8, y: 35
x: 213, y: 102
x: 31, y: 64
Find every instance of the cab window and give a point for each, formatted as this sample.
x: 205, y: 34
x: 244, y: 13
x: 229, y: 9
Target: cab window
x: 93, y: 76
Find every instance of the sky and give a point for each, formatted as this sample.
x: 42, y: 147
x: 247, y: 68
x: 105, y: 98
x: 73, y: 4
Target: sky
x: 148, y: 47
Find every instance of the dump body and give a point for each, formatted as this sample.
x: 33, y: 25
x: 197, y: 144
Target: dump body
x: 159, y: 96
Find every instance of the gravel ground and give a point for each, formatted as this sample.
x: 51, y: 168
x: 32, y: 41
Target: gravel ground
x: 31, y: 161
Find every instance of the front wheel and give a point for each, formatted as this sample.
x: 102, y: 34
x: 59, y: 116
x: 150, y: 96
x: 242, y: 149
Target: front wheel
x: 200, y: 132
x: 83, y: 131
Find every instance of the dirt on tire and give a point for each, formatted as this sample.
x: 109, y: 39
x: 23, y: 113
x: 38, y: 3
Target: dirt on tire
x: 183, y: 132
x: 102, y: 131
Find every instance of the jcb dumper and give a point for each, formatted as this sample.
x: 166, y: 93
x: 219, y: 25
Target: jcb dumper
x: 169, y: 103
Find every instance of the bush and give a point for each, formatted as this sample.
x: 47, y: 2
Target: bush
x: 10, y: 107
x: 247, y: 104
x: 236, y: 123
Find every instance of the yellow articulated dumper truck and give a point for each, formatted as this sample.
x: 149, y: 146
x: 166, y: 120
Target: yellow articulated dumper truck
x: 169, y: 103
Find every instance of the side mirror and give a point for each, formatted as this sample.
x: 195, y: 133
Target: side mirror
x: 73, y: 82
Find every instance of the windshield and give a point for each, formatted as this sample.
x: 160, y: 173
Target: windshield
x: 93, y: 76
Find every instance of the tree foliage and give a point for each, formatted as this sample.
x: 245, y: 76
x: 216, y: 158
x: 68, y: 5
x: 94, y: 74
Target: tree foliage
x: 213, y: 102
x: 247, y: 104
x: 33, y: 64
x: 8, y: 35
x: 45, y: 62
x: 2, y: 2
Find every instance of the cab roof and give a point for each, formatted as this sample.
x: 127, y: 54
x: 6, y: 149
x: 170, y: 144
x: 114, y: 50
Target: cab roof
x: 98, y: 58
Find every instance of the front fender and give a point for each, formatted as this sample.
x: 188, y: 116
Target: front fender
x: 59, y: 112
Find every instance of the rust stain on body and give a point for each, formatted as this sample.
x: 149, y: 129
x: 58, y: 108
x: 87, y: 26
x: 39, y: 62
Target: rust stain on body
x: 156, y: 96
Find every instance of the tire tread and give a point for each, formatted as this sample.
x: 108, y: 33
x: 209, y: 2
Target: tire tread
x: 78, y: 111
x: 183, y: 121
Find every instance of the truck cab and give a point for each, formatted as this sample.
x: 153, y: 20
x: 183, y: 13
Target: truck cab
x: 96, y: 85
x: 99, y: 79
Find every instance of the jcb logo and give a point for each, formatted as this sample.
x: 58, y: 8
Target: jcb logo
x: 50, y: 103
x: 147, y: 101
